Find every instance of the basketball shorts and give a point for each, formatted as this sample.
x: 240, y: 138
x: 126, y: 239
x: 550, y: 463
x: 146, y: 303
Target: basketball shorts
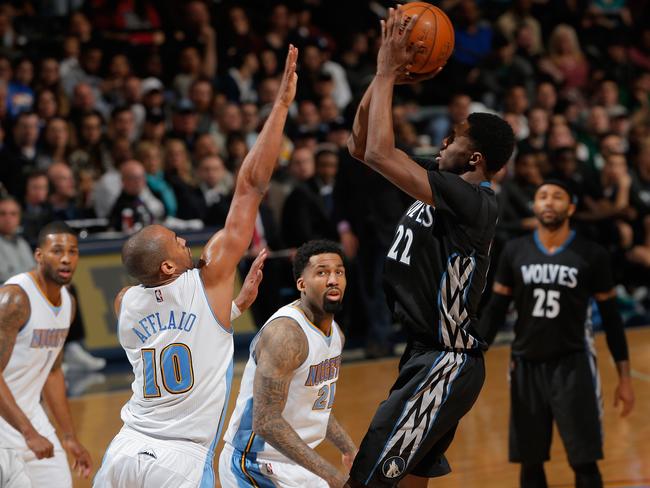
x: 13, y: 473
x: 133, y: 459
x: 23, y: 470
x: 236, y: 470
x: 567, y: 390
x: 415, y: 425
x: 54, y: 471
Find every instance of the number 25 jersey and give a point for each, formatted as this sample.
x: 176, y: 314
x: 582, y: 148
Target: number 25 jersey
x: 552, y: 293
x: 181, y: 358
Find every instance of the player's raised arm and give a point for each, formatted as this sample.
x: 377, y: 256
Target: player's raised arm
x: 226, y: 248
x: 359, y: 134
x: 380, y: 151
x: 282, y: 348
x: 14, y: 313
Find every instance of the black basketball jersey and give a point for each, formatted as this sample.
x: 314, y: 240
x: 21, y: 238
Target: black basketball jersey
x: 552, y: 293
x: 436, y: 267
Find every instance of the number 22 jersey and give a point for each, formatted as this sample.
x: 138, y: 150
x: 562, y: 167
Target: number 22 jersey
x: 552, y: 293
x: 182, y: 362
x: 436, y: 267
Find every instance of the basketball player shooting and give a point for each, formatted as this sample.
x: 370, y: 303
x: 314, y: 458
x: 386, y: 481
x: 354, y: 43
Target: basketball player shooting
x: 434, y: 274
x: 35, y: 314
x: 176, y: 330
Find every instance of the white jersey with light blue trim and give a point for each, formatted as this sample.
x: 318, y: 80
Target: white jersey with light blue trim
x: 182, y: 362
x: 311, y: 391
x: 37, y: 346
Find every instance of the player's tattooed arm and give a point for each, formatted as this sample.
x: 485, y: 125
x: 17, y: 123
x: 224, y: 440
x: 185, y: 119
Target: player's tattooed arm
x: 14, y: 314
x: 282, y: 348
x: 338, y: 436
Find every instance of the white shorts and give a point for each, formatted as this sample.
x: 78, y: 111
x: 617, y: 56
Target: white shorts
x: 236, y: 471
x: 21, y: 468
x: 136, y: 460
x: 12, y: 470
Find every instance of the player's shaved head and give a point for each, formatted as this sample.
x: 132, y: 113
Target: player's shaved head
x: 144, y: 252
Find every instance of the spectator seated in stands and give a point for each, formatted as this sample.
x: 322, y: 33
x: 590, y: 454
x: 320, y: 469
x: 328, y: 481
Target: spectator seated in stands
x: 516, y: 215
x: 457, y: 110
x: 56, y: 145
x: 309, y: 210
x: 185, y: 123
x: 17, y: 256
x: 640, y: 196
x: 63, y: 196
x: 150, y: 156
x: 92, y: 152
x: 20, y: 155
x: 136, y: 207
x: 538, y: 124
x: 180, y: 176
x: 215, y: 186
x: 37, y: 210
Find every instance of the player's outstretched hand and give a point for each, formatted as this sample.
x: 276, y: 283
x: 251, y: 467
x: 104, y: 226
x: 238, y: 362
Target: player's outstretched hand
x: 396, y: 53
x: 251, y: 284
x: 624, y: 394
x: 287, y: 90
x: 39, y: 445
x: 83, y: 464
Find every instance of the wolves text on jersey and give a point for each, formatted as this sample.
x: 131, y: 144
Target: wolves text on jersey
x: 549, y: 274
x: 421, y: 213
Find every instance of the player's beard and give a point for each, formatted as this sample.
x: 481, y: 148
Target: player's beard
x: 51, y: 274
x: 330, y: 306
x: 554, y: 222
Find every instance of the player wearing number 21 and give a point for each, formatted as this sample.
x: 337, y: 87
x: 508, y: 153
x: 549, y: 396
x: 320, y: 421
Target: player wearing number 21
x: 287, y: 392
x: 175, y: 328
x: 552, y: 275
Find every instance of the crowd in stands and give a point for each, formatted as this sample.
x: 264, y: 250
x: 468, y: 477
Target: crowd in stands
x: 130, y: 112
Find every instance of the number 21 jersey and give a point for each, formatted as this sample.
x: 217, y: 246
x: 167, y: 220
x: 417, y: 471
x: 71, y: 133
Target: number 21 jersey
x: 552, y: 292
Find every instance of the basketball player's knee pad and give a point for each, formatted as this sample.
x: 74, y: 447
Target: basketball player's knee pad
x: 587, y: 475
x: 532, y: 476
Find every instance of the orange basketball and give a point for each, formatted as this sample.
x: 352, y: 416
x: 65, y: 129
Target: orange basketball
x: 435, y: 30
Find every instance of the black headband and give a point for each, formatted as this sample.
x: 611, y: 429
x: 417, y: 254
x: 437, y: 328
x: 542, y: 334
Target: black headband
x: 562, y: 184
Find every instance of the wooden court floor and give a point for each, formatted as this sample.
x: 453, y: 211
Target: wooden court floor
x: 478, y: 455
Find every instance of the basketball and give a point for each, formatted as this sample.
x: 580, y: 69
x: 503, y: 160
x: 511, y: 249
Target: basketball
x: 435, y: 30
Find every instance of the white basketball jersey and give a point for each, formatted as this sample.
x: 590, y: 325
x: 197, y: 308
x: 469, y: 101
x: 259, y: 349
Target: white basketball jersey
x: 182, y: 362
x: 311, y: 391
x: 37, y: 346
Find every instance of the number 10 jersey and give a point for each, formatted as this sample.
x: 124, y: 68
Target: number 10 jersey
x: 182, y: 362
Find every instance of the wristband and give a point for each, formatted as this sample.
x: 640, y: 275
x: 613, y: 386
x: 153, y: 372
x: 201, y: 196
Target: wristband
x: 234, y: 311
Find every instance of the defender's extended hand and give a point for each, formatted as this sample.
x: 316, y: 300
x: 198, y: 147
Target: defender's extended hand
x: 251, y: 283
x: 287, y: 90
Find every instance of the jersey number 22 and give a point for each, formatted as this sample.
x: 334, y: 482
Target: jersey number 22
x: 407, y: 234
